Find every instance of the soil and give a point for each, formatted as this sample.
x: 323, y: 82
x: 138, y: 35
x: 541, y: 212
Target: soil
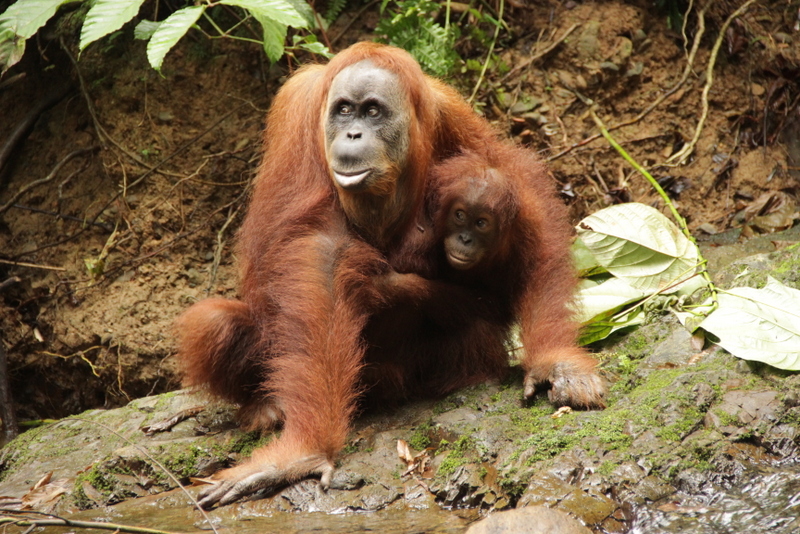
x: 129, y: 234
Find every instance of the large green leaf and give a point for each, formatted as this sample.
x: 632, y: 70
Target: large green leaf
x: 106, y: 16
x: 603, y: 328
x: 145, y: 29
x: 19, y: 22
x: 636, y: 242
x: 169, y: 32
x: 595, y: 302
x: 759, y: 324
x: 302, y: 7
x: 583, y: 259
x: 274, y: 37
x: 278, y: 10
x: 25, y: 17
x: 11, y: 49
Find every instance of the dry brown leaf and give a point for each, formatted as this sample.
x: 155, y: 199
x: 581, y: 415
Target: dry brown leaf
x: 91, y: 493
x: 416, y: 464
x: 561, y: 411
x: 404, y: 452
x: 43, y: 493
x: 42, y: 481
x: 771, y: 212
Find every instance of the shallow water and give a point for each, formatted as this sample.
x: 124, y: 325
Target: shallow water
x: 172, y: 512
x: 766, y: 500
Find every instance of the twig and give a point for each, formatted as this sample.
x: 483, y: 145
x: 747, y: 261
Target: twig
x: 321, y: 27
x: 10, y: 428
x: 680, y: 157
x: 102, y: 134
x: 159, y: 464
x: 26, y: 124
x: 138, y: 180
x: 677, y: 216
x: 9, y: 282
x: 5, y: 84
x: 32, y: 265
x: 218, y: 249
x: 701, y: 28
x: 46, y: 179
x: 489, y: 54
x: 104, y: 226
x: 352, y: 21
x: 541, y: 54
x: 174, y: 240
x: 62, y: 522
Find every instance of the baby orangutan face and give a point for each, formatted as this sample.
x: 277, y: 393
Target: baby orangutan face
x: 472, y: 230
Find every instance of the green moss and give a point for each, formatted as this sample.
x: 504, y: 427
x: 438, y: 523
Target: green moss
x: 350, y: 448
x: 100, y: 478
x: 727, y: 419
x: 606, y: 468
x: 690, y: 419
x: 421, y: 438
x: 458, y: 455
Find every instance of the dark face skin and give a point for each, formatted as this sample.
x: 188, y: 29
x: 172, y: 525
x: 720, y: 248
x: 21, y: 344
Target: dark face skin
x: 366, y: 127
x: 472, y: 232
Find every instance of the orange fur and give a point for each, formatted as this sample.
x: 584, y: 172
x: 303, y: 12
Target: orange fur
x: 318, y: 326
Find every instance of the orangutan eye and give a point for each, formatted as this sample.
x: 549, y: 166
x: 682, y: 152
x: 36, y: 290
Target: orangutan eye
x: 482, y: 223
x: 460, y: 215
x: 373, y: 111
x: 345, y: 109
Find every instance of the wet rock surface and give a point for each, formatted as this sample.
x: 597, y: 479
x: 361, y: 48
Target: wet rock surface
x: 680, y: 425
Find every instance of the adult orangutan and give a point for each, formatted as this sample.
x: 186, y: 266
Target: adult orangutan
x: 348, y: 151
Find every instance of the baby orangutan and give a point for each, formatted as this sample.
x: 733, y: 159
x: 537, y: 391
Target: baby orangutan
x: 498, y: 234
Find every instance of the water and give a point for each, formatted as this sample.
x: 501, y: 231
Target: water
x: 765, y: 500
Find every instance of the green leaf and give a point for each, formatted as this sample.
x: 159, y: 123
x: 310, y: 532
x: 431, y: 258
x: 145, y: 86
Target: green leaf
x: 305, y: 11
x: 11, y: 49
x: 145, y: 29
x: 106, y: 16
x: 583, y: 259
x: 759, y: 324
x: 604, y: 328
x: 169, y: 33
x: 25, y: 17
x: 601, y: 300
x: 316, y: 48
x: 274, y: 37
x: 636, y: 242
x: 278, y: 10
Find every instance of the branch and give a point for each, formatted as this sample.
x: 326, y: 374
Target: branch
x: 61, y: 522
x: 46, y: 179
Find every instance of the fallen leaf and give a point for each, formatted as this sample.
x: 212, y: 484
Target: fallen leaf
x: 561, y: 411
x: 45, y: 492
x: 771, y: 212
x: 43, y: 481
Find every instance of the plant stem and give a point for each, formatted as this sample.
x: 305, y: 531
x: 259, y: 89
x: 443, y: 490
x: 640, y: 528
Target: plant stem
x: 677, y: 216
x: 491, y: 51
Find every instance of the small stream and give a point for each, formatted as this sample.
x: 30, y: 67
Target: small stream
x: 766, y: 500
